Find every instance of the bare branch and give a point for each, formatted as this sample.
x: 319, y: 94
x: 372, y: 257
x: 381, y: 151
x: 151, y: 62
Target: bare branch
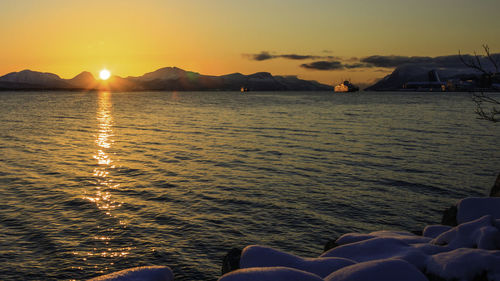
x: 478, y: 60
x: 493, y: 114
x: 486, y: 106
x: 472, y: 64
x: 482, y: 97
x: 488, y: 55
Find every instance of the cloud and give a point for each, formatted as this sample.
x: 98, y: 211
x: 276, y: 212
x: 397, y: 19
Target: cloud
x: 264, y: 55
x: 331, y: 65
x: 441, y: 61
x: 393, y: 61
x: 356, y: 65
x: 261, y: 56
x: 327, y: 62
x: 297, y: 57
x: 323, y: 65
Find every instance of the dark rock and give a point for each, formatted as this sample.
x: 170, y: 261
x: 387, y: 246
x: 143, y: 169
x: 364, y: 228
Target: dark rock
x: 481, y: 277
x: 330, y: 244
x: 417, y: 232
x: 495, y: 190
x: 231, y: 260
x: 433, y: 277
x: 450, y: 216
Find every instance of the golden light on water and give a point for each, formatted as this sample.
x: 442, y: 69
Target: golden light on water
x: 102, y: 196
x: 101, y: 192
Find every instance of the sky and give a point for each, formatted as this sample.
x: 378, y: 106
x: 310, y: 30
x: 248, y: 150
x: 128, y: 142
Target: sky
x: 132, y: 37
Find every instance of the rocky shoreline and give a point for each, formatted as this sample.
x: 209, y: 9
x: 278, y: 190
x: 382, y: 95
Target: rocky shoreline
x: 465, y: 246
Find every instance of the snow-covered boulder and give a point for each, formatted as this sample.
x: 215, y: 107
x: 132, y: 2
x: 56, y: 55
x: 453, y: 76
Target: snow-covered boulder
x: 259, y: 256
x: 379, y: 248
x: 270, y: 274
x: 433, y: 231
x: 400, y: 235
x: 386, y: 270
x: 145, y: 273
x: 349, y: 238
x: 480, y: 233
x: 472, y: 208
x: 465, y: 264
x: 431, y: 249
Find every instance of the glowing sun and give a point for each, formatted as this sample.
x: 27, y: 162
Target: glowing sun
x: 104, y: 74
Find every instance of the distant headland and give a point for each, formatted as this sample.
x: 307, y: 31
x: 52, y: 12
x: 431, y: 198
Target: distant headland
x: 164, y: 79
x: 431, y: 78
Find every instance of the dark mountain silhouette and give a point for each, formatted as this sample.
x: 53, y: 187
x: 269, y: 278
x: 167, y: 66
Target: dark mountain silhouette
x: 84, y: 80
x: 420, y: 72
x: 164, y: 79
x: 165, y: 73
x: 28, y: 79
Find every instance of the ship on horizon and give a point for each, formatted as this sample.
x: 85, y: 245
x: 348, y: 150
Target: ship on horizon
x: 346, y: 87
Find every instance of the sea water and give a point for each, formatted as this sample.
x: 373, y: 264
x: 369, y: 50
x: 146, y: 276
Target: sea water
x: 95, y: 182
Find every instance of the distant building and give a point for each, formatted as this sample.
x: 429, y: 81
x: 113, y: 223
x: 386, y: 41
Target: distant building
x: 433, y: 84
x: 458, y: 85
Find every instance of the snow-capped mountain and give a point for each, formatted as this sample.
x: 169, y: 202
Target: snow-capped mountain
x: 35, y: 79
x: 164, y: 79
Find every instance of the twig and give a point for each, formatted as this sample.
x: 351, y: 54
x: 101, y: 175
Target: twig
x: 488, y: 55
x: 492, y: 113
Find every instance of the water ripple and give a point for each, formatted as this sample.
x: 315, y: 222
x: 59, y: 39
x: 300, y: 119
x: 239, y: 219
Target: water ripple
x: 100, y: 182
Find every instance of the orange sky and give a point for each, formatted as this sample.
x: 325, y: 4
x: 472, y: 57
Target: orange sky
x: 133, y: 37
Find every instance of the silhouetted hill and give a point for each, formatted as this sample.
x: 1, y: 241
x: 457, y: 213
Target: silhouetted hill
x: 164, y: 79
x: 419, y: 73
x: 84, y: 80
x: 33, y: 80
x: 165, y: 73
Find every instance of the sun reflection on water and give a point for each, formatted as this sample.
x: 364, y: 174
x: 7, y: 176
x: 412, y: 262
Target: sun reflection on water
x: 101, y: 196
x: 104, y: 141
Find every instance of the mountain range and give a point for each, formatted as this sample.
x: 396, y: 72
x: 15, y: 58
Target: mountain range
x: 455, y: 75
x: 164, y: 79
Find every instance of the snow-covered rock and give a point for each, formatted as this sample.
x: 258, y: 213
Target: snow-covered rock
x: 431, y: 249
x: 349, y: 238
x: 472, y: 208
x: 386, y: 270
x: 465, y: 264
x: 480, y: 233
x: 400, y: 235
x: 259, y: 256
x: 433, y: 231
x: 270, y: 274
x: 145, y: 273
x: 379, y: 248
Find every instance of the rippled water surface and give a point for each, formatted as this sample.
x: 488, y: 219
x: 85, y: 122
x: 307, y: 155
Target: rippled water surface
x: 97, y: 182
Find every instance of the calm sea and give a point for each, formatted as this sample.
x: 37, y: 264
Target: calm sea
x: 92, y: 183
